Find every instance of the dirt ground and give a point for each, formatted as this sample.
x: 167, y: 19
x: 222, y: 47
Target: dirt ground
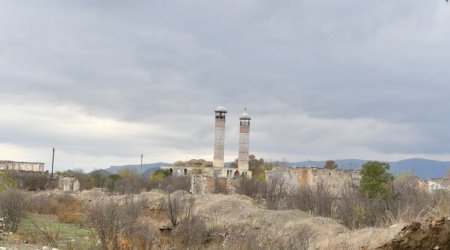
x: 246, y: 225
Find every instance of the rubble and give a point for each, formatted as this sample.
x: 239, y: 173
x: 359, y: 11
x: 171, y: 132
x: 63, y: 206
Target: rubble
x: 435, y: 235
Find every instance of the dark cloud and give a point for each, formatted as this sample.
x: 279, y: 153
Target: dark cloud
x: 322, y: 79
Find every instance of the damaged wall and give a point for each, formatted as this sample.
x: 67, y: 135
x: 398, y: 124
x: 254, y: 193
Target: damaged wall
x: 22, y: 166
x: 334, y: 179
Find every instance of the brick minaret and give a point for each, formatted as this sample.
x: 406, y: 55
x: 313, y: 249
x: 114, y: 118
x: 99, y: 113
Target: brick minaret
x: 219, y: 138
x: 243, y: 140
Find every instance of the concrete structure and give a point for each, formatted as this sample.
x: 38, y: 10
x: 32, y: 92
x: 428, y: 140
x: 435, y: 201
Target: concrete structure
x: 69, y: 184
x: 22, y: 166
x: 336, y: 180
x: 219, y: 137
x: 434, y: 184
x: 244, y: 131
x: 204, y: 184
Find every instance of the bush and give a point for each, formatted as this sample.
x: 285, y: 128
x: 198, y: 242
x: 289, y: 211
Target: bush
x: 193, y: 232
x: 35, y: 181
x: 171, y: 184
x: 251, y: 187
x: 318, y: 201
x: 66, y: 207
x: 117, y: 225
x: 11, y: 209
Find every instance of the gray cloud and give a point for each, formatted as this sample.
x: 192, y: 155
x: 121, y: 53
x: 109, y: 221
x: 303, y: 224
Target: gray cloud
x: 107, y: 80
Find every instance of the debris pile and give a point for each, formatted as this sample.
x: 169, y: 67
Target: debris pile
x: 435, y: 235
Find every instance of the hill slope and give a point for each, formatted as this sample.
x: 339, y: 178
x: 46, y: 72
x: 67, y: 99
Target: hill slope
x: 145, y: 167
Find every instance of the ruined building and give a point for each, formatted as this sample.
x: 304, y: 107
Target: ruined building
x: 22, y: 166
x: 208, y: 178
x: 203, y: 182
x: 336, y: 180
x: 69, y: 184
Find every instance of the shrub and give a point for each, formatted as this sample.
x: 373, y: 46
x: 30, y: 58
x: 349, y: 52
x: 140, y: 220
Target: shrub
x: 11, y: 209
x: 35, y: 181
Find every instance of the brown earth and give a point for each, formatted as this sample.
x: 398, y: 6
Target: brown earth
x: 241, y: 223
x: 435, y: 235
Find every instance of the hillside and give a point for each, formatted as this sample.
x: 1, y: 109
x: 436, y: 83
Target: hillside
x: 146, y: 168
x: 247, y: 225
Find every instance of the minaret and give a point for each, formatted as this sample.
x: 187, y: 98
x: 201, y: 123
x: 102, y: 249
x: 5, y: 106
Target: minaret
x: 219, y: 138
x: 243, y: 140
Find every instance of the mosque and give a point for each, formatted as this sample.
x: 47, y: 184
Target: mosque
x: 206, y: 178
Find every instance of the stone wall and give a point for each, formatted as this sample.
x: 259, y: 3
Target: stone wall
x: 334, y: 179
x: 202, y: 184
x: 69, y: 184
x: 22, y: 166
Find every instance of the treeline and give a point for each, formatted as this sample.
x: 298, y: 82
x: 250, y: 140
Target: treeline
x: 126, y: 181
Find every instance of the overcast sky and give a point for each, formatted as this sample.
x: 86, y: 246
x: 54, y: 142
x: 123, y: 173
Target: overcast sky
x: 104, y: 81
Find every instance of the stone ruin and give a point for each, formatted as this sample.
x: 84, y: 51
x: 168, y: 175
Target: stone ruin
x: 69, y: 184
x: 336, y: 180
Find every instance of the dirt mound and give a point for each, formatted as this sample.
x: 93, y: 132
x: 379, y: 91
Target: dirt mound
x: 244, y: 224
x: 435, y: 235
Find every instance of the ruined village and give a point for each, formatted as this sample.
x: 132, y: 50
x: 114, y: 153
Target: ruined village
x: 200, y: 204
x: 224, y: 125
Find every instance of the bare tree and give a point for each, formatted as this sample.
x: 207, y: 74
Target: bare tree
x: 193, y: 232
x: 179, y: 208
x: 277, y: 190
x: 11, y: 209
x: 107, y: 219
x: 317, y: 201
x: 251, y: 187
x: 172, y: 207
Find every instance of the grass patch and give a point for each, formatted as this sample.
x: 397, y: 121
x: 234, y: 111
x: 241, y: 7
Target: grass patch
x: 48, y: 230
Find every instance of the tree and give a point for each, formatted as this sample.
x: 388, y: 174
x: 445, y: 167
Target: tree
x: 178, y: 208
x: 159, y: 175
x: 257, y: 166
x: 375, y: 179
x: 330, y: 164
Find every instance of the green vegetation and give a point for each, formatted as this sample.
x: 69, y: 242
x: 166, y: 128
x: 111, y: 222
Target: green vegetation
x: 48, y: 230
x: 8, y: 179
x: 257, y: 166
x: 159, y: 175
x: 375, y: 180
x: 330, y: 164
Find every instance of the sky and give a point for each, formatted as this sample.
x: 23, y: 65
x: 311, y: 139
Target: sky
x: 105, y: 81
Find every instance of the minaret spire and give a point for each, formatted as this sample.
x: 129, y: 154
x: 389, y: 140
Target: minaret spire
x: 219, y: 137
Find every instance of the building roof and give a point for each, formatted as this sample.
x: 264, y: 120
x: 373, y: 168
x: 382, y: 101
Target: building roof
x: 245, y: 115
x: 220, y: 108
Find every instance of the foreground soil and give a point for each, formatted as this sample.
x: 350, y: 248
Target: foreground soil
x: 435, y: 235
x: 240, y: 222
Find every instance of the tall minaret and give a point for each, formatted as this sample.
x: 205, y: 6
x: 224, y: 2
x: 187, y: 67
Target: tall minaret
x: 219, y: 138
x: 243, y: 140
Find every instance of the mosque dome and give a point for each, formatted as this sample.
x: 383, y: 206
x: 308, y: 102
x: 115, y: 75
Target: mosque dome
x: 245, y: 115
x: 220, y: 108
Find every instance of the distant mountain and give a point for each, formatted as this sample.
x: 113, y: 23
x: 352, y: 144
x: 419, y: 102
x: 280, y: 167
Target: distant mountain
x: 422, y: 168
x: 347, y: 163
x: 145, y: 167
x: 100, y: 172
